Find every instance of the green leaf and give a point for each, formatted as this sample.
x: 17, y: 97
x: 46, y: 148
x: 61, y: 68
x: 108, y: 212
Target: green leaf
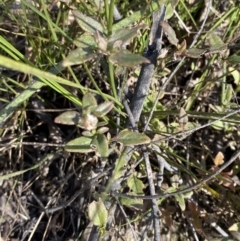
x: 135, y: 184
x: 219, y: 125
x: 227, y: 95
x: 68, y: 118
x: 234, y: 59
x: 88, y: 133
x: 215, y: 40
x: 174, y: 3
x: 94, y: 143
x: 128, y: 59
x: 88, y: 24
x: 170, y: 33
x: 102, y: 123
x: 102, y: 130
x: 169, y: 11
x: 216, y: 43
x: 124, y: 35
x: 120, y: 164
x: 194, y: 52
x: 102, y: 146
x: 135, y: 204
x: 86, y: 40
x: 81, y: 144
x: 78, y: 56
x: 181, y: 201
x: 188, y: 194
x: 129, y: 138
x: 89, y: 100
x: 98, y: 213
x: 103, y: 109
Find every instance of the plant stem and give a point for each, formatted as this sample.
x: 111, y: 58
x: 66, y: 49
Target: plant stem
x: 111, y: 79
x: 110, y: 19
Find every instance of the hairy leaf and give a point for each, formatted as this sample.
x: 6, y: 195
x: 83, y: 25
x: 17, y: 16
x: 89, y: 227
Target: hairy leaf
x: 78, y: 56
x: 124, y: 35
x: 88, y: 24
x: 128, y: 138
x: 68, y: 118
x: 81, y: 144
x: 170, y: 33
x: 103, y: 109
x: 86, y: 40
x: 89, y: 100
x: 128, y: 59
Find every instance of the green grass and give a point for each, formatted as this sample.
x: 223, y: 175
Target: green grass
x: 206, y: 87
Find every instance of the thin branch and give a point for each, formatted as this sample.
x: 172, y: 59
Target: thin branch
x: 130, y: 115
x: 147, y: 227
x: 155, y: 211
x: 127, y: 218
x: 161, y: 159
x: 162, y: 164
x: 219, y: 229
x: 192, y: 229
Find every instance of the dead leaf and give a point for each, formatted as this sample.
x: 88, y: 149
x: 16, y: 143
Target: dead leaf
x: 218, y: 160
x: 183, y: 117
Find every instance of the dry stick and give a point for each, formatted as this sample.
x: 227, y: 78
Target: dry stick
x: 162, y: 163
x: 130, y: 115
x: 147, y: 70
x: 147, y: 227
x: 139, y: 96
x: 192, y: 229
x: 155, y: 210
x: 126, y: 217
x: 188, y: 189
x: 177, y: 67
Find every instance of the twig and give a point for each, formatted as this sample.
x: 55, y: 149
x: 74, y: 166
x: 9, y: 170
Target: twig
x: 147, y: 226
x: 181, y: 22
x: 162, y: 164
x: 126, y: 217
x: 155, y: 211
x: 192, y: 229
x: 162, y: 160
x: 130, y: 115
x: 219, y: 229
